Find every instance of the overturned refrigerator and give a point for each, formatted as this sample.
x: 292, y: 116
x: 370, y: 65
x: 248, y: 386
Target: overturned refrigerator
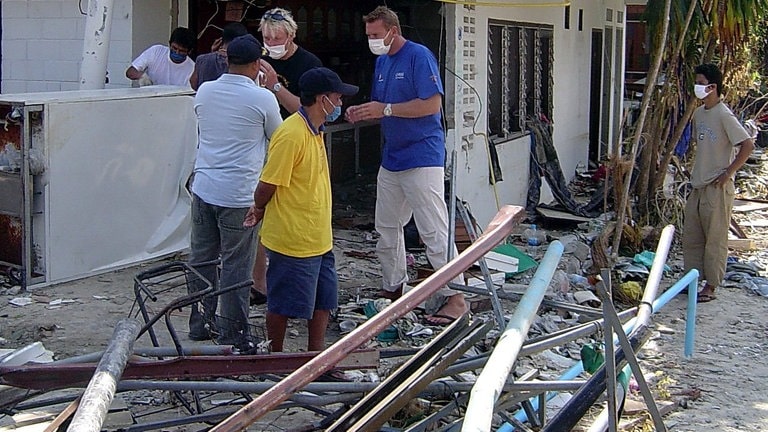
x: 93, y: 180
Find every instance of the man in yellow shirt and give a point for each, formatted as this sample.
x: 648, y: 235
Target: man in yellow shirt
x: 293, y: 198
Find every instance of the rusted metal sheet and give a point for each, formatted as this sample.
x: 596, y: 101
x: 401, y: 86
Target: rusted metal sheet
x: 50, y: 377
x: 10, y: 223
x: 501, y: 225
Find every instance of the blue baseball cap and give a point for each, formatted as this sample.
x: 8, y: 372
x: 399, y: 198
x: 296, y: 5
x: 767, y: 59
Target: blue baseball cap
x: 244, y: 49
x: 323, y: 80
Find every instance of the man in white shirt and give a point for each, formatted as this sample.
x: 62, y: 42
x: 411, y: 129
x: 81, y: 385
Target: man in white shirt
x: 236, y: 119
x: 166, y: 65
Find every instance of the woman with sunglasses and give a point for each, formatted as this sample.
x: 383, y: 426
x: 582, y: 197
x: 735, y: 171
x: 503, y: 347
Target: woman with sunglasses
x: 287, y: 61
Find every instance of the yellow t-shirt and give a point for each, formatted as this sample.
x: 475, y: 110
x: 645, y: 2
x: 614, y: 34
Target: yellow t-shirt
x: 297, y: 220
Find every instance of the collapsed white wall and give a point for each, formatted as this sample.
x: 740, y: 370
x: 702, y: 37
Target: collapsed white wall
x: 42, y: 42
x: 571, y: 76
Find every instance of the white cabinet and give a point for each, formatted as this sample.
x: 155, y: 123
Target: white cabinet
x: 101, y: 182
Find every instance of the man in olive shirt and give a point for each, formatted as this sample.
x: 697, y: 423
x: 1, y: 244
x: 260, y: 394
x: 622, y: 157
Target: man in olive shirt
x: 708, y: 209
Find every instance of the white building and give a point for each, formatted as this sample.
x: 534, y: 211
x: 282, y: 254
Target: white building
x: 562, y: 58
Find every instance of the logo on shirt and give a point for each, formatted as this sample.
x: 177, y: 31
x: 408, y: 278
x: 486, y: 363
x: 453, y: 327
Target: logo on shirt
x: 400, y: 75
x: 381, y: 78
x: 706, y: 132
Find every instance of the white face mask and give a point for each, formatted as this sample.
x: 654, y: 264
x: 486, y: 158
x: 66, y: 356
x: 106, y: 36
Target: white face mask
x: 277, y: 51
x: 378, y: 47
x: 700, y: 90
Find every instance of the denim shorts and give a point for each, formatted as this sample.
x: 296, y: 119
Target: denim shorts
x: 296, y: 287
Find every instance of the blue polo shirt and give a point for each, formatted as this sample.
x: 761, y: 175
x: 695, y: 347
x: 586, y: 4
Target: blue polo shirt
x: 409, y: 142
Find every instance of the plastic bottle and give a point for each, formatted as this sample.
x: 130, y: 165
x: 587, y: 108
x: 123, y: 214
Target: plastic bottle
x: 534, y: 238
x: 578, y: 280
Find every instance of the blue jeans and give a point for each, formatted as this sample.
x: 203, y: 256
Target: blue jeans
x: 218, y: 232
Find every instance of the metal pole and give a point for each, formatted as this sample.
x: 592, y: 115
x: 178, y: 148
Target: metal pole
x: 691, y: 282
x: 645, y: 309
x: 98, y: 26
x: 614, y: 324
x: 438, y: 388
x: 189, y: 351
x: 98, y: 395
x: 499, y: 228
x: 488, y: 387
x: 534, y: 346
x: 604, y: 289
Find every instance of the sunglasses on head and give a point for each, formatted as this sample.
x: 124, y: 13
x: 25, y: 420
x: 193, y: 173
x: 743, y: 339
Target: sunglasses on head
x: 274, y: 16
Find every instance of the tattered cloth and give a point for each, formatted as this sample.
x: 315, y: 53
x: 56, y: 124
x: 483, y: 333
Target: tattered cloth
x: 544, y: 162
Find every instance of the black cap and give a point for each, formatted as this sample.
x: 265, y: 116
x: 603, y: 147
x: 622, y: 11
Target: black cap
x: 244, y: 49
x: 323, y: 80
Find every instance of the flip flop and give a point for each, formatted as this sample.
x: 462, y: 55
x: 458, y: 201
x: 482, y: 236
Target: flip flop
x: 450, y: 319
x: 333, y: 375
x: 705, y: 298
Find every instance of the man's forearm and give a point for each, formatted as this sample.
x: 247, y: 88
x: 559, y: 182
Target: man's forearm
x: 417, y: 107
x: 262, y: 194
x: 747, y: 146
x: 288, y: 100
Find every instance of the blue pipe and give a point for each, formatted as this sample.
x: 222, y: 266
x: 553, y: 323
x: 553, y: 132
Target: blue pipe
x: 690, y: 280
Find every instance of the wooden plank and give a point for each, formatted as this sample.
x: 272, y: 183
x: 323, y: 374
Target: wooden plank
x: 561, y: 215
x: 742, y: 244
x: 741, y: 205
x: 63, y: 416
x: 736, y: 229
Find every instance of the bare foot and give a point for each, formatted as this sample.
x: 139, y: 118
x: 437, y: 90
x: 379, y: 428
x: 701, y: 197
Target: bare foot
x: 454, y: 308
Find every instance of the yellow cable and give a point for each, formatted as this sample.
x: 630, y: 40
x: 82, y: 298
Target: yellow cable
x: 506, y: 4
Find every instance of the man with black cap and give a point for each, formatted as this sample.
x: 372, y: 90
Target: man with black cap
x: 294, y: 199
x: 236, y: 119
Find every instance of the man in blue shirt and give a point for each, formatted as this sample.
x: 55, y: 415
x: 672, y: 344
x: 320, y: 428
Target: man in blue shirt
x: 407, y: 96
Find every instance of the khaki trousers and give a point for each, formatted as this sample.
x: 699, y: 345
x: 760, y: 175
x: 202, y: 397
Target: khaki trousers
x: 705, y: 231
x: 417, y: 192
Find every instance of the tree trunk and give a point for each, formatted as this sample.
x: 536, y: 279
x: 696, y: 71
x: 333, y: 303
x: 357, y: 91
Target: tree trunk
x: 650, y: 86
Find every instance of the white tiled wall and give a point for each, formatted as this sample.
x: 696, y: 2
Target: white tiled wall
x: 42, y: 44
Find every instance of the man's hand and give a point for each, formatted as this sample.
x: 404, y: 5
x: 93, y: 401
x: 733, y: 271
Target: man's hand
x: 722, y: 179
x: 270, y: 76
x: 216, y: 44
x: 253, y: 217
x: 366, y: 111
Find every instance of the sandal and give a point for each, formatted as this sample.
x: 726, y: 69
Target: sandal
x: 705, y: 298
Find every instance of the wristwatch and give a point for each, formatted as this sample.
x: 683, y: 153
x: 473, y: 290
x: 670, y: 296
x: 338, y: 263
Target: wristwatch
x: 277, y: 87
x: 388, y: 110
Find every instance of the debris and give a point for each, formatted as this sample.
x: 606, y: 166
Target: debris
x: 501, y: 262
x: 58, y: 302
x: 587, y: 297
x: 21, y: 301
x: 631, y: 290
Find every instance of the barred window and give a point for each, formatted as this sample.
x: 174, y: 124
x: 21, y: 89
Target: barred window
x: 520, y: 58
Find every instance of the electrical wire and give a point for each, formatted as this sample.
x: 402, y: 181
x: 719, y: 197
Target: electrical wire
x: 208, y: 24
x: 505, y: 4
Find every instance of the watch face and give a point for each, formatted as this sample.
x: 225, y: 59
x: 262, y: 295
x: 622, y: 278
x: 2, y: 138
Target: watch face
x: 277, y: 87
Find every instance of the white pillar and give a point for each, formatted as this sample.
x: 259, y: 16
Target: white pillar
x: 98, y: 26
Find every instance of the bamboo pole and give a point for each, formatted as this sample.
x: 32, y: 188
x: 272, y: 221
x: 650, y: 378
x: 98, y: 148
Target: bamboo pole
x: 650, y: 86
